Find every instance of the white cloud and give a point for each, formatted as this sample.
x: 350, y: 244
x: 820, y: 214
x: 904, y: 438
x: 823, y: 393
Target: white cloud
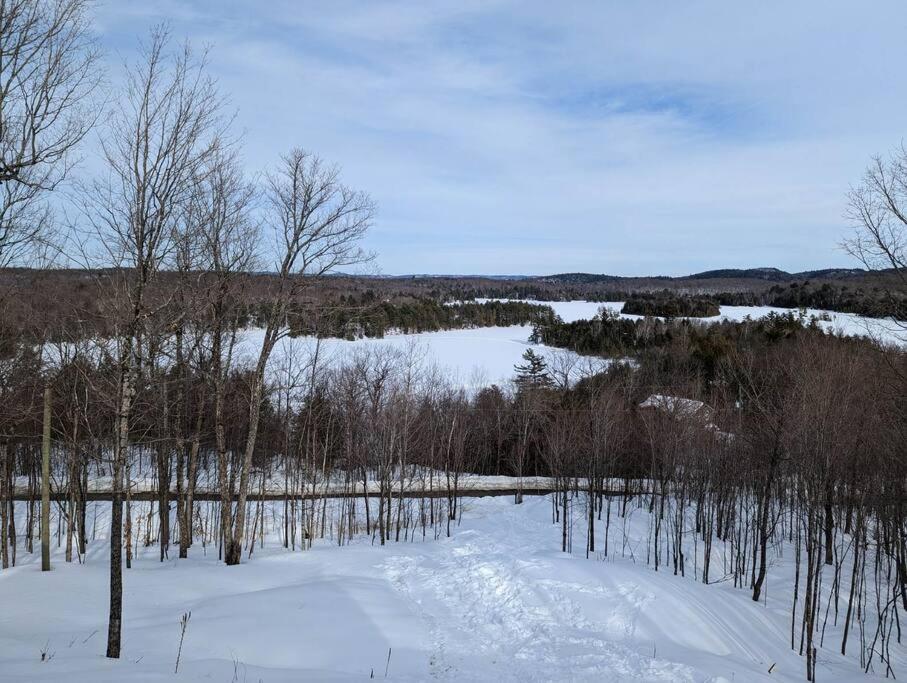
x: 525, y: 137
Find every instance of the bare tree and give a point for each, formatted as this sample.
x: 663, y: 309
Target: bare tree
x: 159, y: 139
x: 227, y: 237
x: 877, y: 209
x: 48, y: 72
x: 26, y: 222
x: 317, y: 223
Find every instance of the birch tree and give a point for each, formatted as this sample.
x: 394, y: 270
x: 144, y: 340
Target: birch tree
x: 317, y: 224
x: 227, y: 236
x: 159, y: 137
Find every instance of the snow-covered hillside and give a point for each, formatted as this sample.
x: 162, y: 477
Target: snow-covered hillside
x: 496, y: 601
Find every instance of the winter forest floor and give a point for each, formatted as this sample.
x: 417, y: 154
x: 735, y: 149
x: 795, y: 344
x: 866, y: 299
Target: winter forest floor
x: 495, y: 601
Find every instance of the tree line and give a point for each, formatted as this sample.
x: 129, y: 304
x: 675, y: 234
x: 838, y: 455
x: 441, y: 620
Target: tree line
x: 878, y: 300
x: 877, y: 294
x: 357, y: 317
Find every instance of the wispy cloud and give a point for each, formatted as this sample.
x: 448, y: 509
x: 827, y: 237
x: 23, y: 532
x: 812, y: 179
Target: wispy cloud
x: 508, y: 136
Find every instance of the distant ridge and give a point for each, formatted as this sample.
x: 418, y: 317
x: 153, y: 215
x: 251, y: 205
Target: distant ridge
x: 776, y: 274
x: 766, y: 274
x: 578, y: 278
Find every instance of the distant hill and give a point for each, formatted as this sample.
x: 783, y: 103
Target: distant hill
x: 764, y: 274
x: 832, y: 273
x: 579, y: 278
x: 776, y: 274
x: 772, y: 274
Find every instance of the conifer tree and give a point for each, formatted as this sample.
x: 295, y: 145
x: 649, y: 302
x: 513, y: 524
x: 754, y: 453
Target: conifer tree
x: 533, y: 373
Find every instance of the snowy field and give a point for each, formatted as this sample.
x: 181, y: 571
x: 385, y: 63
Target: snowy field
x: 497, y: 601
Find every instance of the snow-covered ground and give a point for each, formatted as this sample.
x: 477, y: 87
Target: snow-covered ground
x: 497, y: 601
x: 471, y: 358
x: 417, y: 481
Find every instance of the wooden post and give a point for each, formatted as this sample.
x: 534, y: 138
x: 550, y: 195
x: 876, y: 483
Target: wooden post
x: 45, y: 484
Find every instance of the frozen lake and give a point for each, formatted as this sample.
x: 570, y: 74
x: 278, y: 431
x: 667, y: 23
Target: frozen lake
x: 849, y: 324
x: 472, y: 358
x: 477, y: 357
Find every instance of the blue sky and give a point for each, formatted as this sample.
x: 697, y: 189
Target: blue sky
x: 533, y: 137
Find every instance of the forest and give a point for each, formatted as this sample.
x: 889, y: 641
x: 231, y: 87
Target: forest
x: 353, y: 319
x: 666, y: 305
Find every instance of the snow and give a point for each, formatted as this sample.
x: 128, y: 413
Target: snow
x: 472, y: 358
x: 845, y: 324
x: 143, y: 478
x: 497, y: 601
x: 676, y: 405
x: 476, y: 357
x: 848, y: 324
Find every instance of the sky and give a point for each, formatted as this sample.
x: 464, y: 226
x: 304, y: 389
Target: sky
x: 522, y: 137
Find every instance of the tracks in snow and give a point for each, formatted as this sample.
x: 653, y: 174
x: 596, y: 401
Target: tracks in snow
x: 494, y: 613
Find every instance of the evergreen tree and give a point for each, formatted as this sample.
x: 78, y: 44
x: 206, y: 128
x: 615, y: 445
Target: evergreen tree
x: 532, y: 374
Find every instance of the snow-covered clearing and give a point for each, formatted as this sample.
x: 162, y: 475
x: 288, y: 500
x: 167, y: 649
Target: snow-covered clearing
x: 469, y: 358
x: 497, y: 601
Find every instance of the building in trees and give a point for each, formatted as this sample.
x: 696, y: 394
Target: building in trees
x: 679, y: 407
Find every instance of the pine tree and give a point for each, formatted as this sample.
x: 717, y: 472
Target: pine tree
x: 532, y: 374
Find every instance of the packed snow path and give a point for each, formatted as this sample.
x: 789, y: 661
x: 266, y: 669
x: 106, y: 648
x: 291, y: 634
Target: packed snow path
x: 494, y: 615
x: 496, y: 601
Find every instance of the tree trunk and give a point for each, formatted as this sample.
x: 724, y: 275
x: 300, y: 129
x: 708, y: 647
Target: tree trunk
x: 829, y: 527
x: 186, y: 517
x: 763, y: 529
x: 115, y: 618
x: 233, y: 552
x: 6, y: 497
x: 191, y: 477
x: 163, y: 466
x: 45, y: 484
